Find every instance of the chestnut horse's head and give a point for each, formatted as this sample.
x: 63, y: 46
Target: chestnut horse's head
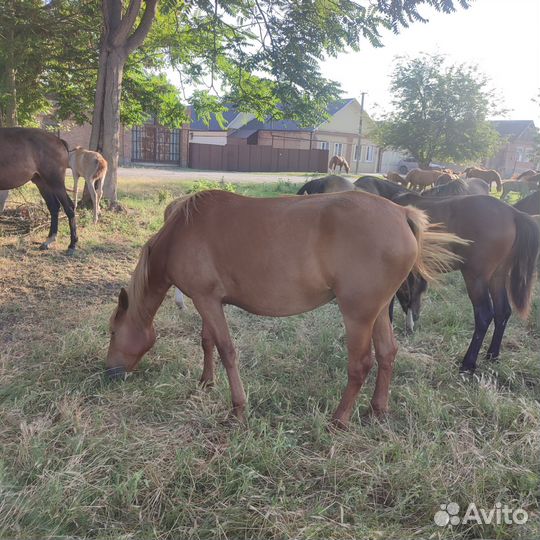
x: 129, y: 340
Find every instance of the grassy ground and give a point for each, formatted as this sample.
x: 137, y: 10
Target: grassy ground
x: 156, y: 457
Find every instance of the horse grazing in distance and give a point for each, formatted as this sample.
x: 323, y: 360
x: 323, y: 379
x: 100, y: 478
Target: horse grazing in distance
x: 489, y: 175
x: 338, y: 161
x: 470, y: 186
x: 526, y: 174
x: 351, y: 246
x: 378, y: 186
x: 498, y: 265
x: 28, y: 154
x: 420, y: 179
x: 530, y: 205
x: 92, y: 166
x: 523, y: 186
x: 328, y: 184
x: 396, y: 178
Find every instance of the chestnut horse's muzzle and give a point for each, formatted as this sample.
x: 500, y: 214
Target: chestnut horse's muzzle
x: 115, y: 373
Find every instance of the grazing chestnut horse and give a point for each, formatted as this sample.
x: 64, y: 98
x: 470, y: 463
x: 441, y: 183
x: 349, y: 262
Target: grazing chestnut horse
x: 338, y: 161
x: 489, y: 175
x: 498, y: 264
x: 420, y: 179
x: 530, y: 205
x: 279, y: 257
x: 41, y: 157
x: 327, y: 184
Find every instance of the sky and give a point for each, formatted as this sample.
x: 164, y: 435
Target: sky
x: 502, y: 37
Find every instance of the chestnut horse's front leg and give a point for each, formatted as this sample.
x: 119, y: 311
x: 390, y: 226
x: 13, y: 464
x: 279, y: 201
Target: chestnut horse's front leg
x: 215, y: 325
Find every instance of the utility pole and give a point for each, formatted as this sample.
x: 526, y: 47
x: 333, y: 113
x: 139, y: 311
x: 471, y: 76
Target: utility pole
x: 360, y: 132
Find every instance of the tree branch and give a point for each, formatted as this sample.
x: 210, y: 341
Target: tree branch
x: 136, y: 39
x: 127, y: 23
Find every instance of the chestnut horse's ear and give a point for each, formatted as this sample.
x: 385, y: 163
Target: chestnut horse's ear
x: 123, y: 300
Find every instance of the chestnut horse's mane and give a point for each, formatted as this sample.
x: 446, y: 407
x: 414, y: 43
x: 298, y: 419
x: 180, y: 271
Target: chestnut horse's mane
x: 138, y: 284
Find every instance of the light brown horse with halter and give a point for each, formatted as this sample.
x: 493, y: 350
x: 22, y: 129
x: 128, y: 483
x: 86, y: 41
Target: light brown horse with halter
x: 338, y: 161
x: 280, y: 257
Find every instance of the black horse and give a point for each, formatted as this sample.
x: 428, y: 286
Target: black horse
x: 530, y: 204
x: 35, y: 155
x: 497, y: 266
x: 327, y: 184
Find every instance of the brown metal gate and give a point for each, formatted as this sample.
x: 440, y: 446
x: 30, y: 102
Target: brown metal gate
x: 155, y: 144
x: 252, y: 158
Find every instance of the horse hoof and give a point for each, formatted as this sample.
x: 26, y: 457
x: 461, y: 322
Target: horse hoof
x: 116, y: 373
x: 206, y: 384
x: 70, y: 252
x: 44, y: 246
x: 336, y: 426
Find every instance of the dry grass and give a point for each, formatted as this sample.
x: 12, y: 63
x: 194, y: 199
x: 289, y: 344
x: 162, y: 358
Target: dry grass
x: 156, y: 457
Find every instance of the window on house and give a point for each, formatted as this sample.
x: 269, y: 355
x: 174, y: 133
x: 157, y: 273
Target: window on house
x: 338, y: 149
x: 323, y: 145
x: 370, y: 153
x: 356, y: 153
x: 519, y: 154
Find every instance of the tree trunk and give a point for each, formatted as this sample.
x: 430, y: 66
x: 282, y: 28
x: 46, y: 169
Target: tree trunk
x: 105, y: 137
x: 120, y: 38
x: 10, y: 118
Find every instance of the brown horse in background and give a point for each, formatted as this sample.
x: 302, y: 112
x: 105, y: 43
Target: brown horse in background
x: 530, y: 205
x: 338, y: 161
x: 497, y: 266
x: 278, y: 257
x: 396, y: 178
x: 39, y: 156
x: 328, y: 184
x: 489, y: 175
x: 421, y: 179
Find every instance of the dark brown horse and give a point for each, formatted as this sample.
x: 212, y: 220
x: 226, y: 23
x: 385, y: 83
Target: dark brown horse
x: 470, y: 186
x: 41, y: 157
x: 489, y: 175
x: 279, y: 257
x: 498, y: 265
x: 530, y: 205
x: 338, y: 161
x: 328, y: 184
x: 377, y: 186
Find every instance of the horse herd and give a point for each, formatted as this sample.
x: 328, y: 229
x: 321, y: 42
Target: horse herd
x: 361, y: 244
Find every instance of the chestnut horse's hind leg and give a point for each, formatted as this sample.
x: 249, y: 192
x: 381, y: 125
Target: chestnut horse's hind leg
x: 502, y: 311
x: 478, y: 292
x: 360, y: 363
x: 385, y: 352
x: 53, y: 204
x: 215, y: 324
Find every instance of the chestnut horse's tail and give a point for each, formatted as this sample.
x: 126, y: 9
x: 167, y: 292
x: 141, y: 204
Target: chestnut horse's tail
x: 434, y: 257
x: 523, y: 265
